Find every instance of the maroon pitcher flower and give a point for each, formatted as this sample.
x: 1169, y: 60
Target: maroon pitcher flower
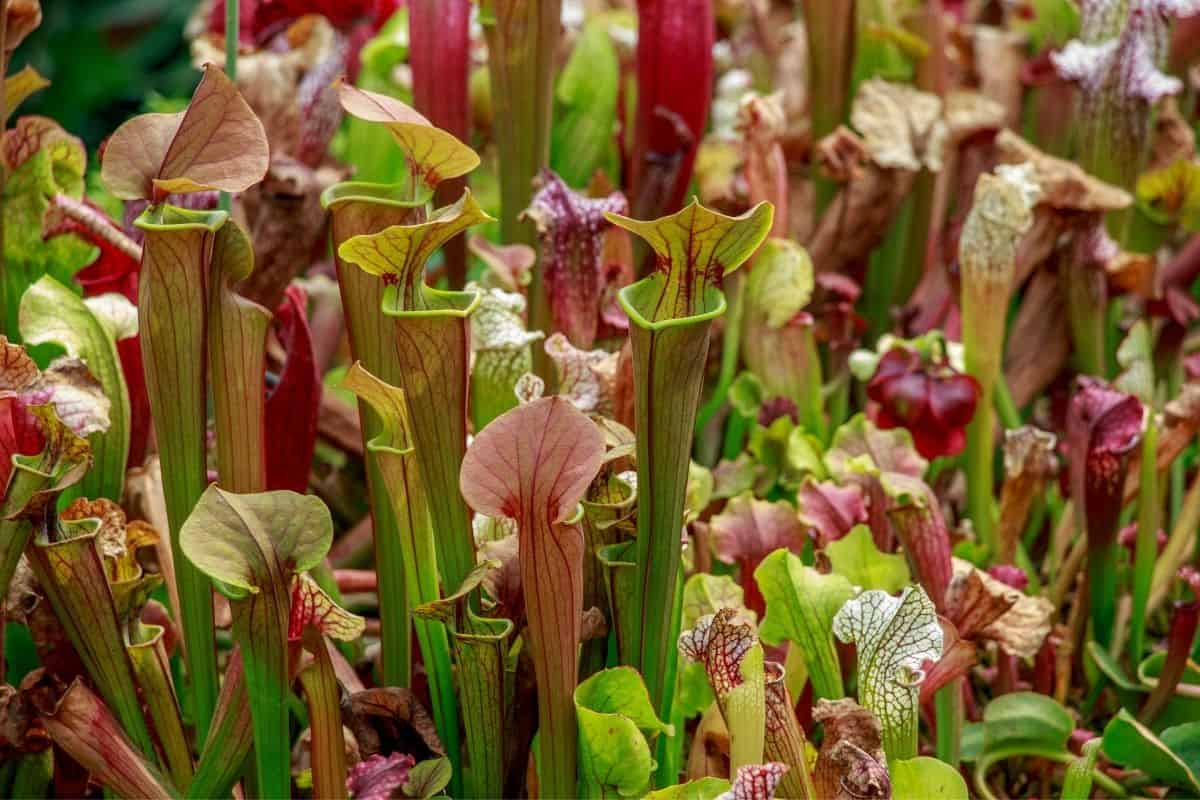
x: 928, y: 397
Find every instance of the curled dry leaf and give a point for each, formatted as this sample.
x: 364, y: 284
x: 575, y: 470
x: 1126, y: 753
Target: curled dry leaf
x: 1029, y: 462
x: 391, y: 720
x: 985, y: 608
x: 1064, y: 185
x: 585, y: 377
x: 968, y: 113
x: 217, y: 143
x: 851, y: 764
x: 902, y: 131
x: 902, y: 128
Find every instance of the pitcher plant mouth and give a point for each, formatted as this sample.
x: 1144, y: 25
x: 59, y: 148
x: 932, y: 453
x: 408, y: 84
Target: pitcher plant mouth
x: 641, y: 299
x: 166, y: 217
x: 399, y: 195
x: 441, y: 302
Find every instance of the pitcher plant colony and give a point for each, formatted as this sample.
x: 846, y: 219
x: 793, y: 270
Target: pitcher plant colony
x: 673, y: 399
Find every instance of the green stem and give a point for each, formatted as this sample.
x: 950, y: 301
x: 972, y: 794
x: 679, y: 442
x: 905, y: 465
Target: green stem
x: 948, y: 706
x: 887, y: 266
x: 980, y: 471
x: 1086, y: 312
x: 1102, y: 591
x: 736, y: 428
x: 1145, y: 551
x: 1006, y: 407
x: 233, y: 29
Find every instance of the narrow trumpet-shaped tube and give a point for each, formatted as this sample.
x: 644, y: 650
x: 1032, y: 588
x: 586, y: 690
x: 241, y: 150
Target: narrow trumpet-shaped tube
x: 84, y: 728
x: 72, y: 576
x: 431, y: 335
x: 481, y: 647
x: 557, y: 452
x: 173, y: 298
x: 410, y: 552
x: 229, y: 737
x: 357, y: 209
x: 237, y: 350
x: 671, y: 313
x: 987, y: 256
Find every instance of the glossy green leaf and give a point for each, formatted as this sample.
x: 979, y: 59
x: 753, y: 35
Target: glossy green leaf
x: 428, y: 778
x: 699, y: 789
x: 895, y: 636
x: 1131, y: 744
x: 54, y: 163
x: 1184, y: 742
x: 925, y: 778
x: 616, y: 725
x: 801, y: 605
x: 856, y: 557
x: 1026, y: 720
x: 585, y: 104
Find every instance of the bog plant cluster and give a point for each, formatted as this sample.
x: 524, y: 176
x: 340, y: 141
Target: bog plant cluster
x: 674, y: 399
